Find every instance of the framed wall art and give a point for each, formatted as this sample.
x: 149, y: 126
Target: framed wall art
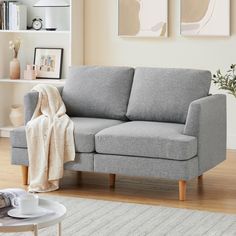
x: 143, y: 18
x: 48, y: 62
x: 208, y: 18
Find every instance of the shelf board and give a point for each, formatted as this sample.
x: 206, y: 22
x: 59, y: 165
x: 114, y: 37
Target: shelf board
x: 36, y: 81
x: 36, y: 31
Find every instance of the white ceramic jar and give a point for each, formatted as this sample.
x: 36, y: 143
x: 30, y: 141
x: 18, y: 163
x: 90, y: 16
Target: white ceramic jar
x: 17, y: 115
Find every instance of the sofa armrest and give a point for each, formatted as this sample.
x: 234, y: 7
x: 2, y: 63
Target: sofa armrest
x: 206, y: 120
x: 30, y: 103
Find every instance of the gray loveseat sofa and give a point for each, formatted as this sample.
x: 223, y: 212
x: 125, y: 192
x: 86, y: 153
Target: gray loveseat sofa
x: 139, y: 122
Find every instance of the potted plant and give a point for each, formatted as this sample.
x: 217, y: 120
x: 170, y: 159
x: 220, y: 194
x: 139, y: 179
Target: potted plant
x: 228, y: 81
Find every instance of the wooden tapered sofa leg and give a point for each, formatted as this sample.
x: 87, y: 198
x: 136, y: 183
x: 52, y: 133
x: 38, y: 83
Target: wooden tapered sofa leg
x: 112, y: 180
x: 79, y: 175
x: 200, y: 178
x: 182, y: 190
x: 24, y: 170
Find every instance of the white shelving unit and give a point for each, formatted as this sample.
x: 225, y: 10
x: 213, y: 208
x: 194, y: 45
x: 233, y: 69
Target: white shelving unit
x: 36, y: 81
x: 69, y: 36
x: 35, y: 32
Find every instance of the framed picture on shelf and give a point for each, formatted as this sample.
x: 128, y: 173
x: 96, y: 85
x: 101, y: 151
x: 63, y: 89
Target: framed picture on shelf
x: 48, y: 62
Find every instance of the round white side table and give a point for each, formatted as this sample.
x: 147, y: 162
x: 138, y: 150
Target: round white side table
x: 11, y: 225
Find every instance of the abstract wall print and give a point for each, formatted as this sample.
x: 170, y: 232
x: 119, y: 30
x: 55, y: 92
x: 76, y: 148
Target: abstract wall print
x: 143, y: 18
x: 205, y: 17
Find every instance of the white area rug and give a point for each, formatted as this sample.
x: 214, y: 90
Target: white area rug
x: 94, y: 217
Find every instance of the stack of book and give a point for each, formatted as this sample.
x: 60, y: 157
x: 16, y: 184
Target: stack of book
x: 13, y: 15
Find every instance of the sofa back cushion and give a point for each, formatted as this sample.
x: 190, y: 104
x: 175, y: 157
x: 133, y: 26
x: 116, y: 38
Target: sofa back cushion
x: 165, y: 94
x: 101, y: 92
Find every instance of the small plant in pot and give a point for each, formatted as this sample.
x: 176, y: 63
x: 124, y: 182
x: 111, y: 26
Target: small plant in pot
x: 228, y: 81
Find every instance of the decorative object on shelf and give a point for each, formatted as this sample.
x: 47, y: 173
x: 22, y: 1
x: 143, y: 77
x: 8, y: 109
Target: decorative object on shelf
x: 17, y: 115
x: 210, y: 18
x: 13, y: 15
x: 31, y: 72
x: 37, y: 24
x: 228, y: 81
x: 14, y: 46
x: 51, y: 16
x: 143, y: 18
x: 15, y: 69
x: 49, y: 62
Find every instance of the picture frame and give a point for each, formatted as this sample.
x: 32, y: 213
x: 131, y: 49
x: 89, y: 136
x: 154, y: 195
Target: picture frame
x: 49, y: 62
x: 211, y: 18
x: 143, y: 18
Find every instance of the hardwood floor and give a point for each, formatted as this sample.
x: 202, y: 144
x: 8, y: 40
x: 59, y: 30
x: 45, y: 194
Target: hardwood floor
x: 215, y: 192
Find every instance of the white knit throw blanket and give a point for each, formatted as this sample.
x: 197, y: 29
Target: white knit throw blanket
x: 50, y: 140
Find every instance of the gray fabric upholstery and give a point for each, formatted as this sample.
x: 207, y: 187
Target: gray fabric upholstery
x: 84, y: 133
x: 19, y: 156
x: 101, y: 92
x: 147, y: 167
x: 83, y: 161
x: 18, y: 137
x: 30, y: 102
x: 85, y: 130
x: 165, y: 94
x: 206, y: 120
x: 193, y: 143
x: 147, y: 139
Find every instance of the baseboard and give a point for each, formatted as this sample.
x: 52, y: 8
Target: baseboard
x: 231, y: 142
x: 5, y: 132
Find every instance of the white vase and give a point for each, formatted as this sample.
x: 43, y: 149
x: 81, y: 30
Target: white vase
x: 17, y: 115
x: 15, y: 69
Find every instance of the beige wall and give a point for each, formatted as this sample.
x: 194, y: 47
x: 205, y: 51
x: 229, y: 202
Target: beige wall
x: 104, y: 47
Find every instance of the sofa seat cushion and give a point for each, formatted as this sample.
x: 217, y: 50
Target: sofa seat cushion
x: 101, y: 92
x: 164, y: 95
x: 84, y: 133
x: 86, y: 129
x: 147, y: 139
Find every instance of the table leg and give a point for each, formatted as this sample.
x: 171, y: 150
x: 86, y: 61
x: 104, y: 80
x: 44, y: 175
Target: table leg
x: 36, y: 230
x: 59, y: 229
